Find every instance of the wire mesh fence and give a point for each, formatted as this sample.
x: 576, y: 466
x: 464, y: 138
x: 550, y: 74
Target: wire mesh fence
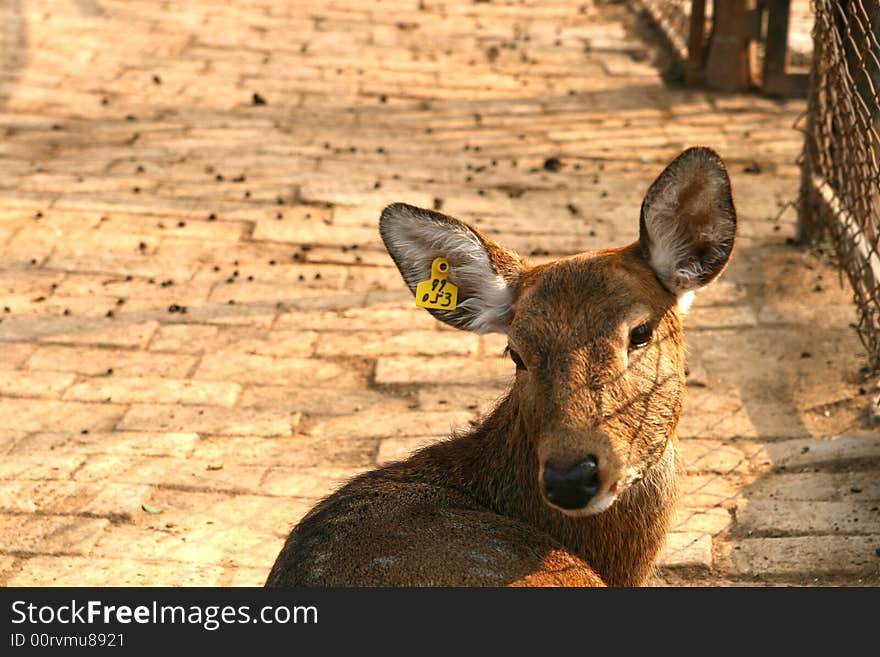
x: 673, y: 17
x: 840, y: 190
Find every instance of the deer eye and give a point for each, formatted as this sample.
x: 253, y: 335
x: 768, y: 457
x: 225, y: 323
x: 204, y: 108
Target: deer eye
x: 639, y: 336
x: 516, y: 359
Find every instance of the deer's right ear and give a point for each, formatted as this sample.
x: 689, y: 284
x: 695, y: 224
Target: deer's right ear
x: 485, y: 273
x: 688, y: 222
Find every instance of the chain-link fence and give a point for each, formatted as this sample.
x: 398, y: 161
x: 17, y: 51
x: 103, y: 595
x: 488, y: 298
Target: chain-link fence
x: 840, y: 192
x: 673, y: 18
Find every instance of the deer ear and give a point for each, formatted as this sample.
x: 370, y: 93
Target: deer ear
x: 485, y: 273
x: 688, y: 222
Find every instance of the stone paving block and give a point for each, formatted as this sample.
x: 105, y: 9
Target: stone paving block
x: 190, y: 521
x: 273, y: 280
x: 118, y: 502
x: 839, y: 451
x: 377, y: 279
x: 8, y: 228
x: 27, y: 496
x: 159, y: 265
x: 38, y: 467
x: 359, y: 319
x: 711, y: 521
x: 853, y: 556
x: 320, y: 400
x: 26, y: 283
x: 208, y: 419
x: 799, y: 369
x: 381, y: 424
x: 40, y: 240
x: 786, y: 517
x: 478, y: 399
x: 365, y: 255
x: 850, y: 486
x: 89, y: 361
x: 293, y: 214
x: 395, y: 297
x: 120, y: 443
x: 359, y: 215
x: 273, y: 292
x: 313, y: 232
x: 720, y: 292
x: 706, y: 490
x: 256, y: 314
x: 720, y: 413
x: 248, y: 368
x: 382, y: 343
x: 823, y: 310
x: 720, y: 317
x: 400, y: 448
x: 173, y: 472
x: 297, y: 450
x: 37, y: 534
x: 134, y: 335
x: 716, y: 456
x: 51, y: 415
x: 686, y: 550
x: 154, y: 390
x: 9, y: 438
x: 226, y: 255
x: 155, y: 289
x: 14, y: 354
x: 283, y: 343
x: 203, y: 544
x: 465, y: 371
x: 249, y: 339
x: 113, y: 571
x: 183, y: 338
x: 313, y: 301
x: 19, y: 383
x: 187, y: 227
x: 30, y: 319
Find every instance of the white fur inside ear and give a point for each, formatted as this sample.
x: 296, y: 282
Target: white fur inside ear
x: 489, y: 310
x: 485, y: 297
x: 670, y: 251
x: 684, y: 302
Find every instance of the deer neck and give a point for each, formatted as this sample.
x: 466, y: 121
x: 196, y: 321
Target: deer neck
x: 497, y: 465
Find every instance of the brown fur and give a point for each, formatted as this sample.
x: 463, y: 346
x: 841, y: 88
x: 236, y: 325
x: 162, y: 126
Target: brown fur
x: 470, y: 511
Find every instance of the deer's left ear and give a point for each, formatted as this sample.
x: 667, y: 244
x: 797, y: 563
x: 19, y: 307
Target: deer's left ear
x: 688, y: 222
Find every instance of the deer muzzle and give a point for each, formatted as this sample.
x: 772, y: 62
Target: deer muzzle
x: 573, y: 487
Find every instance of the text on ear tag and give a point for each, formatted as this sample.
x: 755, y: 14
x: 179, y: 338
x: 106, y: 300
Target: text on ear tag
x: 437, y: 293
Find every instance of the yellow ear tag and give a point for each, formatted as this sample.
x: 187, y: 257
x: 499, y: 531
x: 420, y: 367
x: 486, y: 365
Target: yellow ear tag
x: 437, y: 293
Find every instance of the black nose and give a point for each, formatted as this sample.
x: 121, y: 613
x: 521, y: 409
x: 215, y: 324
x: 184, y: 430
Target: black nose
x: 572, y: 487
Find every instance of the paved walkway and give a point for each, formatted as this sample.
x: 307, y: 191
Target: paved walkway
x: 201, y: 334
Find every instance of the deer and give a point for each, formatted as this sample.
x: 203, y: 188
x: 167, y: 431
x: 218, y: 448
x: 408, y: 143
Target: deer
x: 572, y: 478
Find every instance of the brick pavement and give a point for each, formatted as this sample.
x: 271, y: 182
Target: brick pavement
x: 201, y: 334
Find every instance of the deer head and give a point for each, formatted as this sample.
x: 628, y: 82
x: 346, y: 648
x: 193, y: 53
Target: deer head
x: 596, y: 337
